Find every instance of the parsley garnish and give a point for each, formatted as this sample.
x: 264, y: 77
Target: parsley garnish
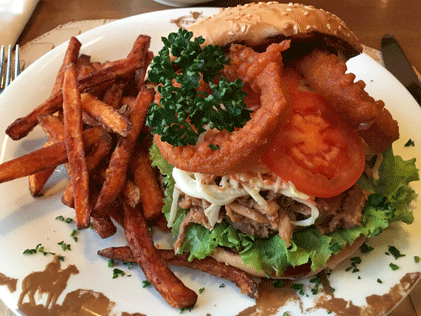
x: 117, y: 273
x: 67, y: 220
x: 417, y: 259
x: 278, y: 283
x: 298, y: 287
x: 410, y: 142
x: 146, y: 283
x: 38, y: 248
x: 187, y: 308
x: 365, y: 248
x: 64, y: 246
x: 222, y: 285
x: 201, y: 290
x: 214, y: 147
x: 111, y: 263
x: 185, y: 110
x: 395, y: 252
x: 379, y: 281
x: 393, y: 266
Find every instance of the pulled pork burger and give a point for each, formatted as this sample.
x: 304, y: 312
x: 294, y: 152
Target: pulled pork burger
x: 273, y: 158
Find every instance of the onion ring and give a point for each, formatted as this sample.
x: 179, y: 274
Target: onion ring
x: 371, y: 120
x: 243, y: 147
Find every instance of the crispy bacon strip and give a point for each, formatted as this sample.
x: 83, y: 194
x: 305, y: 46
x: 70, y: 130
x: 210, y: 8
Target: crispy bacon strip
x: 326, y: 75
x: 156, y: 270
x: 209, y: 265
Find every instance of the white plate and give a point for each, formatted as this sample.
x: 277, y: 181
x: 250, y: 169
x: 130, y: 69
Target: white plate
x: 26, y: 221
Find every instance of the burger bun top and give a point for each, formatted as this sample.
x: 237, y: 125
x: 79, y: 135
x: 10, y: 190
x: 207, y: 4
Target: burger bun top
x: 255, y: 23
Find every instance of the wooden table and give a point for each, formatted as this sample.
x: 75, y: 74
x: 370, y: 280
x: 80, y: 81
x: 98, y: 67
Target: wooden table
x: 368, y: 19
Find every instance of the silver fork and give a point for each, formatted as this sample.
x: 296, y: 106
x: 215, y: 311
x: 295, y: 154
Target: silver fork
x: 7, y: 75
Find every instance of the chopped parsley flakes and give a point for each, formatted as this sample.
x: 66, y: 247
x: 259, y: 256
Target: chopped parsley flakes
x: 409, y: 143
x: 395, y: 252
x: 393, y: 266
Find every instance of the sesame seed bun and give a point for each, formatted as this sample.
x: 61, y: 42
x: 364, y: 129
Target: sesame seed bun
x: 254, y: 23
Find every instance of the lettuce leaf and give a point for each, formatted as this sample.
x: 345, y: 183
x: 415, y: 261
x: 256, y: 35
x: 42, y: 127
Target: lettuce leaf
x: 389, y: 201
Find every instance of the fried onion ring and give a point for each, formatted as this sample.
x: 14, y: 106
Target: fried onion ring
x: 243, y: 147
x: 326, y: 75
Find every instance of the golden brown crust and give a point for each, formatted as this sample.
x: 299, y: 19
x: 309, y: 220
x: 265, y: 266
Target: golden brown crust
x: 253, y: 23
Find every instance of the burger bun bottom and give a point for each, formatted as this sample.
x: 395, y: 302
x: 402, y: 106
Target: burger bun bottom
x: 292, y: 273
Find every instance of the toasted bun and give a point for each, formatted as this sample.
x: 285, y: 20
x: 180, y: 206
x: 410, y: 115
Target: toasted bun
x: 254, y: 23
x: 298, y: 272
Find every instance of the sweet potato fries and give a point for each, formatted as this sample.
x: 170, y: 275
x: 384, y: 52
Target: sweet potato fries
x: 95, y: 124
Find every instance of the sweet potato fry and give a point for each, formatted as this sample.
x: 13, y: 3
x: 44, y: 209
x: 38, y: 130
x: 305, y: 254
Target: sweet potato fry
x: 70, y: 57
x: 209, y: 265
x: 72, y: 111
x: 22, y: 126
x: 131, y: 193
x: 53, y: 127
x: 121, y: 68
x: 109, y: 117
x: 114, y: 94
x: 116, y: 69
x: 150, y: 193
x: 44, y: 158
x: 98, y: 152
x: 116, y: 172
x: 156, y: 270
x: 104, y: 226
x: 37, y: 181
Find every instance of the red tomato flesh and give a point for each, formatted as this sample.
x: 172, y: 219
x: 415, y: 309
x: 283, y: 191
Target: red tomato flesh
x: 315, y: 150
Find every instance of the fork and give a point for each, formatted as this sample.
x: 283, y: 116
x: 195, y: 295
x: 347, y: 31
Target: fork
x: 7, y: 77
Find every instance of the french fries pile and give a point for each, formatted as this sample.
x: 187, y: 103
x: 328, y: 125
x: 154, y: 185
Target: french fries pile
x: 95, y: 123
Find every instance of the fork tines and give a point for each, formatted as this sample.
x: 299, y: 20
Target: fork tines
x: 6, y: 78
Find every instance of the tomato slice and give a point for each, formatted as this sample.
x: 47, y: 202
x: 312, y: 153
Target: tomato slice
x: 315, y: 150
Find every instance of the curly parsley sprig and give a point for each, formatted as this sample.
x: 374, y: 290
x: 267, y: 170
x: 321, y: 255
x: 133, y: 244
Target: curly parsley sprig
x: 185, y: 109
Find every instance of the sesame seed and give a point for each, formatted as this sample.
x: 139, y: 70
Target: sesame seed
x: 328, y: 26
x: 306, y: 13
x: 288, y: 9
x: 295, y: 30
x: 230, y: 33
x: 284, y: 13
x: 244, y: 28
x: 308, y: 27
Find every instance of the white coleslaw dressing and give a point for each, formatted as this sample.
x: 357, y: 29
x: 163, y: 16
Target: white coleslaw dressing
x: 228, y: 189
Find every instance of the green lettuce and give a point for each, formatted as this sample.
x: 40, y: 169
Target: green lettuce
x: 388, y: 203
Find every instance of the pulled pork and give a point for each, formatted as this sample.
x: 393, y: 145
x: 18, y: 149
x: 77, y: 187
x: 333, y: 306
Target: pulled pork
x: 246, y: 215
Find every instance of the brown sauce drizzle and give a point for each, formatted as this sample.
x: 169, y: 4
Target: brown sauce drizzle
x: 272, y: 299
x: 9, y: 282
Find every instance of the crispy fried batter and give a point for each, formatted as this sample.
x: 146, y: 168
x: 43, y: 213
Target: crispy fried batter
x: 326, y: 75
x: 241, y: 148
